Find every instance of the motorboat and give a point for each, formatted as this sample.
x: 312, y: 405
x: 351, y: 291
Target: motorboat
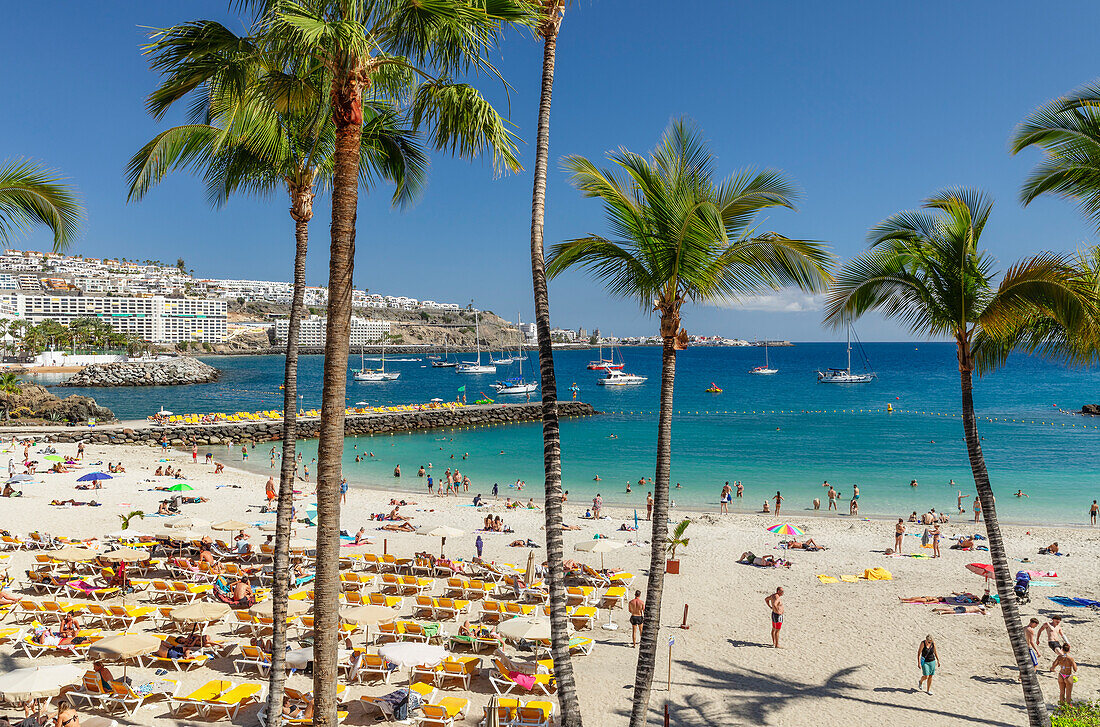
x: 618, y: 378
x: 845, y: 375
x: 476, y: 367
x: 714, y: 388
x: 766, y: 369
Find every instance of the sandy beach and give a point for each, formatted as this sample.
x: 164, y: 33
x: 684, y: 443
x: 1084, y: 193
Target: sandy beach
x: 849, y: 651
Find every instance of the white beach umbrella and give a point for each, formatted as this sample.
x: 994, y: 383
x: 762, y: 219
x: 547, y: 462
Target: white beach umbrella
x: 35, y: 682
x: 124, y: 646
x: 293, y: 608
x: 179, y: 534
x: 440, y: 531
x: 601, y: 546
x: 367, y: 615
x: 199, y: 612
x: 529, y: 628
x: 227, y: 525
x: 126, y: 555
x: 73, y: 554
x: 412, y: 653
x: 186, y: 523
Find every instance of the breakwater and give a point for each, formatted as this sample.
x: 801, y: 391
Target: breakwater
x: 354, y: 425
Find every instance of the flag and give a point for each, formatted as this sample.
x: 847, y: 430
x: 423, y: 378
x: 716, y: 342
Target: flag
x: 462, y: 389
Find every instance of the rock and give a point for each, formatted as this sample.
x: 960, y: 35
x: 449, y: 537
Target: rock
x: 36, y: 402
x: 169, y: 372
x: 1093, y: 409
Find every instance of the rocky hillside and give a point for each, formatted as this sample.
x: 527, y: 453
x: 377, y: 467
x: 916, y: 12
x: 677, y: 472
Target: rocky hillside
x: 34, y: 402
x: 171, y: 372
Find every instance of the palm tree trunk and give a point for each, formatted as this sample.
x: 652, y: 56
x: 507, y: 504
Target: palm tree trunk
x: 1033, y: 693
x: 551, y: 441
x: 280, y: 570
x: 651, y: 625
x: 348, y: 115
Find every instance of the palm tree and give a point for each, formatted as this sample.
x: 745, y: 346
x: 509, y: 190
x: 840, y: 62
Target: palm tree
x: 927, y: 270
x: 30, y: 196
x: 244, y: 137
x: 551, y: 15
x: 380, y: 46
x: 683, y: 237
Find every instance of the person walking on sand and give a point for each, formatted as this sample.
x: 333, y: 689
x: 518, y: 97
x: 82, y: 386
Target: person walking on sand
x: 269, y: 491
x: 1066, y: 668
x: 725, y: 498
x: 1092, y: 512
x: 977, y: 509
x: 1031, y: 633
x: 775, y: 603
x: 832, y: 498
x: 928, y: 658
x: 1056, y: 639
x: 194, y: 452
x: 778, y: 500
x: 636, y: 607
x: 899, y: 533
x: 649, y: 506
x: 936, y: 540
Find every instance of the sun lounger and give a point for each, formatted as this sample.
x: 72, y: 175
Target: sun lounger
x: 231, y: 701
x: 130, y: 698
x: 179, y: 706
x: 504, y: 681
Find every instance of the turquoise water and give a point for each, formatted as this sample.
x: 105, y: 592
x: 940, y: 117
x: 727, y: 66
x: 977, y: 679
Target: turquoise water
x: 784, y: 432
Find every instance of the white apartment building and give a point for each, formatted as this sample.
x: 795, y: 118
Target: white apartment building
x: 155, y: 319
x: 364, y: 331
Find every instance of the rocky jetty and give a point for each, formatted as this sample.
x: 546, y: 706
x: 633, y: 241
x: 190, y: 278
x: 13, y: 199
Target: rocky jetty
x: 34, y: 402
x: 1093, y: 409
x: 169, y: 372
x: 355, y: 425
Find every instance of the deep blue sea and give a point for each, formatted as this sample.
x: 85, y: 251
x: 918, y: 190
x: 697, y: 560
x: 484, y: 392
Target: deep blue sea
x: 784, y: 432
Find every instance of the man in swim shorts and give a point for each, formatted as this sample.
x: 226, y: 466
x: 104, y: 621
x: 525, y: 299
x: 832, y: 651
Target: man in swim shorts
x: 1031, y: 632
x: 775, y: 603
x: 636, y: 607
x: 1056, y: 640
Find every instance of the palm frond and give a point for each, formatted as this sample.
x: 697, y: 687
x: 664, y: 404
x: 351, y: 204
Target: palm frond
x: 459, y: 119
x: 30, y: 196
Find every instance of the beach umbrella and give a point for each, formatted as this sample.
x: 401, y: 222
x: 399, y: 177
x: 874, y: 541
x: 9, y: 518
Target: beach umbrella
x: 229, y: 525
x: 601, y: 546
x: 128, y: 534
x: 36, y: 682
x: 73, y: 554
x: 186, y: 523
x: 412, y: 653
x: 293, y: 608
x: 492, y: 713
x: 179, y: 535
x: 367, y: 615
x: 181, y: 487
x: 16, y: 479
x: 982, y: 569
x: 526, y: 628
x: 199, y: 612
x: 301, y: 544
x: 635, y: 518
x: 94, y: 477
x: 124, y: 646
x: 786, y: 529
x: 440, y: 531
x: 126, y: 555
x: 529, y: 574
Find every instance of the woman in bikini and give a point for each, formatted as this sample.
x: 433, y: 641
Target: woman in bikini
x: 1066, y: 668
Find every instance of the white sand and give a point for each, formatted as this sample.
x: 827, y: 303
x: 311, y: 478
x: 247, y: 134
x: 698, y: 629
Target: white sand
x: 850, y: 648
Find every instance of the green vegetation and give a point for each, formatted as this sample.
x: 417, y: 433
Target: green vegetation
x: 84, y: 335
x: 1078, y: 714
x: 31, y: 196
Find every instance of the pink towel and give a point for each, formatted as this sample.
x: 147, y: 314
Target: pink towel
x: 1042, y: 574
x: 527, y: 681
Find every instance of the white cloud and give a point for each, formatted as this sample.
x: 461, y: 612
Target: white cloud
x: 787, y: 300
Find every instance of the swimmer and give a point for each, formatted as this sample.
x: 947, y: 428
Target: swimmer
x: 1021, y: 493
x: 596, y: 478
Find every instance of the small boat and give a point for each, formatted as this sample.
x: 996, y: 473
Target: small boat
x: 714, y: 389
x: 445, y: 362
x: 476, y: 367
x: 374, y: 375
x: 765, y: 370
x: 618, y: 378
x: 516, y: 384
x: 845, y: 375
x: 606, y: 364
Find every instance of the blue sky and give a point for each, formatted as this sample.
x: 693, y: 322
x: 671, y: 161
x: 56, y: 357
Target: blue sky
x: 868, y: 106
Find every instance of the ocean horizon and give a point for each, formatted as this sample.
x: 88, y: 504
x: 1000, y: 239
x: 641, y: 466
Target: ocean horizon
x: 784, y: 433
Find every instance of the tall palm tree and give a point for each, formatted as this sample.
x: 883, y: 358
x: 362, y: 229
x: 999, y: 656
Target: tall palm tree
x: 246, y: 137
x: 926, y: 269
x: 380, y: 46
x: 551, y: 14
x: 31, y: 196
x: 682, y: 237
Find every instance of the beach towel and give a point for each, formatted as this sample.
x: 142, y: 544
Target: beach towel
x: 527, y: 681
x: 1075, y: 602
x: 1042, y: 573
x: 850, y: 579
x: 877, y: 574
x: 827, y: 579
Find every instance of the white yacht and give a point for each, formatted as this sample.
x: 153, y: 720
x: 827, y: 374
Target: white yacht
x: 516, y: 384
x: 476, y: 367
x: 375, y: 375
x: 766, y: 369
x: 845, y: 375
x: 618, y: 378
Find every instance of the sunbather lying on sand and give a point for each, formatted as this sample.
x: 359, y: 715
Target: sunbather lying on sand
x: 807, y: 544
x: 954, y: 598
x: 403, y: 527
x: 763, y: 561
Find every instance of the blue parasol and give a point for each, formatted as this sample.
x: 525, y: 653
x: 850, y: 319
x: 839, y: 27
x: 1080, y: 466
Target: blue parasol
x: 94, y: 477
x: 635, y: 518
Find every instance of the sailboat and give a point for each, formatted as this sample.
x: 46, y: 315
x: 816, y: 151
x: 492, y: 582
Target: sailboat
x: 365, y: 374
x: 516, y: 384
x: 445, y: 362
x: 606, y: 364
x: 390, y: 376
x: 504, y: 360
x: 476, y: 367
x: 766, y: 369
x: 845, y: 375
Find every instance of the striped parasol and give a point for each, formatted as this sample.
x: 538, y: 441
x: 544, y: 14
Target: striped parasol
x: 786, y: 529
